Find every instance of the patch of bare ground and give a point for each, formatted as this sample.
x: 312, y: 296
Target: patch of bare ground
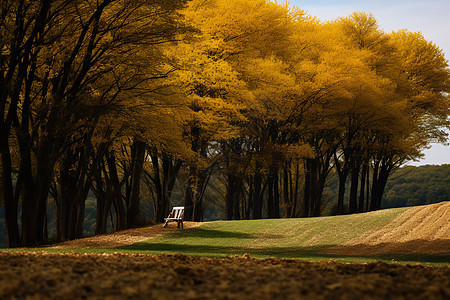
x: 31, y: 275
x: 122, y: 238
x: 422, y: 229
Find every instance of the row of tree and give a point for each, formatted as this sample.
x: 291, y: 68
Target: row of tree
x: 131, y: 99
x: 408, y: 186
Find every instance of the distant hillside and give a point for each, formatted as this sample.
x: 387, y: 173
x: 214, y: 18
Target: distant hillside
x: 412, y: 186
x: 409, y: 186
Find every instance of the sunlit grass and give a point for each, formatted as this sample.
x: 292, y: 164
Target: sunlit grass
x: 281, y: 238
x: 304, y: 238
x: 250, y: 235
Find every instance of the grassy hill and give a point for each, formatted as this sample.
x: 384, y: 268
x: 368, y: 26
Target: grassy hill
x: 409, y: 235
x: 267, y: 237
x: 420, y: 234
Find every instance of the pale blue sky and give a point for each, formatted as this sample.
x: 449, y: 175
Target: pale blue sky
x: 431, y: 17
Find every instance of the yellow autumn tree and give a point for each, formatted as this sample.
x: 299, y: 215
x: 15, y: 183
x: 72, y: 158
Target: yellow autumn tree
x: 253, y: 37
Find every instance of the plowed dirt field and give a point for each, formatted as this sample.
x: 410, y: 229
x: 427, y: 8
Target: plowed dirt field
x: 136, y: 276
x: 43, y: 275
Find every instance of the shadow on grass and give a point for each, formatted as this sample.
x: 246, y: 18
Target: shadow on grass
x: 221, y: 249
x: 204, y: 233
x: 309, y: 253
x: 208, y: 234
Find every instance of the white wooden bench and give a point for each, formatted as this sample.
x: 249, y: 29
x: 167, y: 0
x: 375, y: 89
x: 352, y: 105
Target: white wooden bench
x: 175, y: 216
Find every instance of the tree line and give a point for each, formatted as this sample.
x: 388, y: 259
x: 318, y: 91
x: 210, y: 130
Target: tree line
x: 408, y: 186
x: 129, y: 99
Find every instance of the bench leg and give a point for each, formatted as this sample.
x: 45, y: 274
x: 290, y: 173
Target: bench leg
x: 180, y: 222
x: 165, y: 224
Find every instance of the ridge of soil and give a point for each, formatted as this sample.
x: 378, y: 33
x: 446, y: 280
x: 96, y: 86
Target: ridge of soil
x: 123, y: 237
x: 421, y: 229
x: 43, y: 275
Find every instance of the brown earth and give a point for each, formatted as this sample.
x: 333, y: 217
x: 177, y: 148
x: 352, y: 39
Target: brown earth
x: 42, y: 275
x: 31, y: 275
x: 122, y: 238
x: 422, y: 229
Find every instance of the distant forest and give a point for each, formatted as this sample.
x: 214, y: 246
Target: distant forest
x: 412, y: 186
x: 409, y: 186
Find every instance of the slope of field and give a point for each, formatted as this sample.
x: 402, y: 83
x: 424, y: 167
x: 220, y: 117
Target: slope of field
x: 418, y: 230
x: 126, y: 271
x: 121, y: 238
x: 422, y: 229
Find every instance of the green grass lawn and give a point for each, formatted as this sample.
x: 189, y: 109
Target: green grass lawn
x: 281, y: 238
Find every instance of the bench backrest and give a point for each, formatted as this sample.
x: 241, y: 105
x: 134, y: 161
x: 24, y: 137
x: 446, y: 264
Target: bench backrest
x: 178, y: 212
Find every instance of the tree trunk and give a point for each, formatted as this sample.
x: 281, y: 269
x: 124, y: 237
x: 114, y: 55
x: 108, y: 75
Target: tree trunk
x: 249, y: 202
x: 137, y: 166
x: 287, y: 198
x: 237, y: 200
x: 307, y: 190
x: 194, y: 194
x: 343, y: 174
x: 171, y: 167
x: 189, y: 202
x: 258, y: 196
x: 380, y: 177
x: 373, y: 192
x: 295, y: 194
x: 316, y: 198
x: 11, y: 202
x: 161, y: 208
x: 270, y: 196
x: 313, y: 191
x: 103, y: 193
x: 103, y: 207
x: 119, y: 207
x: 276, y: 196
x: 353, y: 202
x: 233, y: 191
x: 27, y: 185
x: 367, y: 204
x: 35, y: 198
x: 362, y: 187
x: 71, y: 193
